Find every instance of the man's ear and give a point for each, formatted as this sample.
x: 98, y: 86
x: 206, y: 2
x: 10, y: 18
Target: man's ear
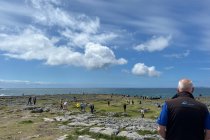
x: 177, y: 90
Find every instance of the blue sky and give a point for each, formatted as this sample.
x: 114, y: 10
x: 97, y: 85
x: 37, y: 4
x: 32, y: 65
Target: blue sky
x: 99, y: 43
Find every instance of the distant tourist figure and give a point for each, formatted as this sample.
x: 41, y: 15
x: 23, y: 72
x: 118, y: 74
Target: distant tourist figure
x: 75, y: 99
x: 65, y: 104
x: 83, y: 107
x: 29, y: 101
x: 132, y: 102
x: 142, y: 113
x: 34, y: 100
x: 92, y: 108
x: 140, y: 102
x: 108, y: 103
x: 184, y: 118
x: 61, y: 103
x: 124, y: 107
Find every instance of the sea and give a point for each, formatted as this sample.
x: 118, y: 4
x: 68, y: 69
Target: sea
x: 149, y: 92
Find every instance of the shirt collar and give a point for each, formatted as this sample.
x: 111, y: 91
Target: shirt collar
x: 185, y: 94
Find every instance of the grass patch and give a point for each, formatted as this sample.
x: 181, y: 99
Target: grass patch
x: 26, y: 122
x: 65, y: 122
x: 146, y: 132
x: 97, y: 135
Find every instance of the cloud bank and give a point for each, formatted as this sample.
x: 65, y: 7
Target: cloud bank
x: 67, y: 39
x: 141, y: 69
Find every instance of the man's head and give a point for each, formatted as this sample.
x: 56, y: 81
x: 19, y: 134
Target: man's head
x: 185, y: 85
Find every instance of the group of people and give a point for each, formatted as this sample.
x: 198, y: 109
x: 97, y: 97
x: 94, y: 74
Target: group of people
x: 82, y: 106
x: 31, y: 100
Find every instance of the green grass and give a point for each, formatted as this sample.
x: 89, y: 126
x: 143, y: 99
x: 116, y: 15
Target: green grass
x: 146, y: 132
x: 94, y: 135
x: 26, y: 122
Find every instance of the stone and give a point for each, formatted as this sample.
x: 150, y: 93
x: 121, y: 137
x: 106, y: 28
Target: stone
x: 95, y: 129
x: 64, y: 127
x: 81, y: 124
x: 106, y: 131
x: 37, y: 110
x: 85, y: 137
x: 131, y: 135
x: 62, y: 118
x: 109, y: 131
x: 48, y: 120
x: 62, y: 137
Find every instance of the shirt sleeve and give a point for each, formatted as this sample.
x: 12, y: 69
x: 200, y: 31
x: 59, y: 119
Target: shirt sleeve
x: 207, y: 121
x: 163, y: 118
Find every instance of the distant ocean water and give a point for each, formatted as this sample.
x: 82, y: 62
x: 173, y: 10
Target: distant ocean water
x: 151, y: 92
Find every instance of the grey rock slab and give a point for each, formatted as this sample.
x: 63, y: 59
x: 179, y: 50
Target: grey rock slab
x: 106, y: 131
x: 62, y: 137
x: 131, y: 135
x: 95, y: 129
x: 48, y: 120
x: 63, y: 118
x: 80, y: 124
x: 85, y: 137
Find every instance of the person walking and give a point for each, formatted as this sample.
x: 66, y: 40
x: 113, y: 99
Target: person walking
x: 124, y: 107
x: 92, y: 108
x: 34, y: 100
x: 29, y: 101
x: 184, y: 118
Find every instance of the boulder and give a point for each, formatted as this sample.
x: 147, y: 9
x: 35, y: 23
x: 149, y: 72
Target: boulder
x: 37, y: 110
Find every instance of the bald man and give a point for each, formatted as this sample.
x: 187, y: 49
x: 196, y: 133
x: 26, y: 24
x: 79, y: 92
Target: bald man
x: 184, y: 118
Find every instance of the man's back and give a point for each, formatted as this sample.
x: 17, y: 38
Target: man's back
x: 186, y: 118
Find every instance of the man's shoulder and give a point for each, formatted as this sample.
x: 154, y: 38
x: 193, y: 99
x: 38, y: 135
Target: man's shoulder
x: 177, y: 101
x: 201, y: 104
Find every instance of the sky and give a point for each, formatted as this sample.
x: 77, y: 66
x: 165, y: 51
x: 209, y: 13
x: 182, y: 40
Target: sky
x: 101, y: 43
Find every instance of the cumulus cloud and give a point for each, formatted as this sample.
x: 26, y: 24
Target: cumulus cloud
x: 76, y: 39
x: 178, y: 55
x: 155, y: 44
x: 141, y: 69
x: 32, y: 44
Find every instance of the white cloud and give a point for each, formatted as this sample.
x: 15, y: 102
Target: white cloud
x: 178, y: 55
x: 141, y: 69
x: 97, y: 56
x: 32, y: 44
x: 155, y: 44
x: 23, y: 82
x: 59, y: 48
x: 169, y: 68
